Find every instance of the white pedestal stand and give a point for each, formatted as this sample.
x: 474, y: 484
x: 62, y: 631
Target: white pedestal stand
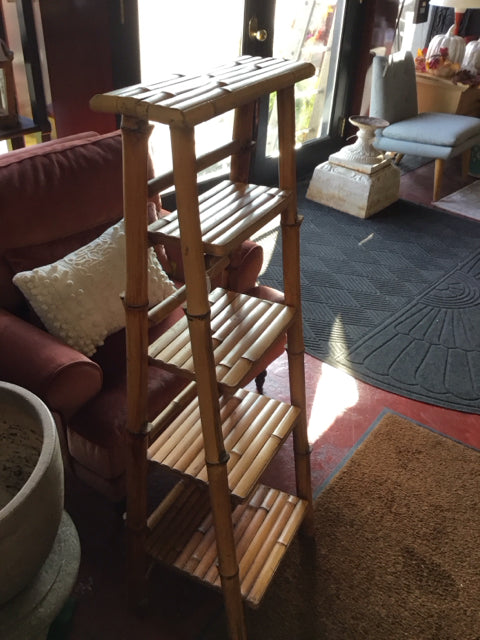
x: 355, y: 179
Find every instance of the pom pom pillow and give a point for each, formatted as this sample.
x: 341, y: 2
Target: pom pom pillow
x: 78, y: 297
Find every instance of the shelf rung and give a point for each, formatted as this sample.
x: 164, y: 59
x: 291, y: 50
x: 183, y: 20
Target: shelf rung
x: 263, y: 529
x: 254, y: 427
x: 230, y: 212
x: 242, y: 326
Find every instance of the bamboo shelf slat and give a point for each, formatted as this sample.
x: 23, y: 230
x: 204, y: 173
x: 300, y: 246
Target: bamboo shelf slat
x: 179, y: 99
x: 254, y: 427
x: 264, y: 527
x: 243, y: 327
x: 229, y: 213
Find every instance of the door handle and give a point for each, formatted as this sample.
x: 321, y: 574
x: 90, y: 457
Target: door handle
x: 254, y: 32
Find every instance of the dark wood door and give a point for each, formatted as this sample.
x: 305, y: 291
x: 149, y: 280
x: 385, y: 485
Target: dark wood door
x: 91, y: 47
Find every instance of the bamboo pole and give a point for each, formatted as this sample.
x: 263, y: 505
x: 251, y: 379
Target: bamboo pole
x: 279, y: 518
x: 135, y: 134
x: 161, y: 310
x: 291, y: 275
x: 193, y: 462
x: 243, y: 132
x: 163, y: 507
x: 263, y: 580
x: 195, y: 552
x: 159, y: 183
x: 198, y: 313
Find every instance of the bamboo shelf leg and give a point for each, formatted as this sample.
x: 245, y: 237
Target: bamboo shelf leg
x: 198, y: 313
x: 291, y: 276
x: 243, y: 132
x: 135, y: 134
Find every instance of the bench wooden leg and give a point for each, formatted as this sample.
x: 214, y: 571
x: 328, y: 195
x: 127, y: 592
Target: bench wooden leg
x: 466, y: 156
x: 437, y: 181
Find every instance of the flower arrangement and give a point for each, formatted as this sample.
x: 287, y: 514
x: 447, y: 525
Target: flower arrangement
x: 439, y: 64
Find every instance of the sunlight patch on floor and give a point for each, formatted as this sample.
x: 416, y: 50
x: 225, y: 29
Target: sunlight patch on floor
x: 336, y: 392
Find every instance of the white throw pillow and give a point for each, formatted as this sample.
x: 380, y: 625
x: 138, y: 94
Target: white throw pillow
x: 78, y: 297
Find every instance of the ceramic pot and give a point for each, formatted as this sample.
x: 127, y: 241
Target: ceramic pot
x: 31, y: 487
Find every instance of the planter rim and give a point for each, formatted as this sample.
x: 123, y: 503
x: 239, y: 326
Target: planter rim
x: 49, y: 435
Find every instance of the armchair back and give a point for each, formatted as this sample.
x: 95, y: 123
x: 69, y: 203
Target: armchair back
x: 54, y: 198
x: 394, y: 87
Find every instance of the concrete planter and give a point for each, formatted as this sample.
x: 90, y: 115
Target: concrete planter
x: 31, y: 487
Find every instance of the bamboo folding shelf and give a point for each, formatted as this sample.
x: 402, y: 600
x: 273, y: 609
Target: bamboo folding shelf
x: 218, y: 524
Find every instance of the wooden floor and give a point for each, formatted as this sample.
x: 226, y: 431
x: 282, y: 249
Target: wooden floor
x: 417, y: 185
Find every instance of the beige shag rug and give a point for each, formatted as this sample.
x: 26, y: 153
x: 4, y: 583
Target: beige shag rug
x: 396, y: 553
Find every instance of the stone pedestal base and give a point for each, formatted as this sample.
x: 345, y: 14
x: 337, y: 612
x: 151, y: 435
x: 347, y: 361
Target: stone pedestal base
x: 29, y: 615
x: 358, y: 192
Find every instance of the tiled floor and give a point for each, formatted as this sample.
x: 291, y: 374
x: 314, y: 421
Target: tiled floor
x: 340, y: 410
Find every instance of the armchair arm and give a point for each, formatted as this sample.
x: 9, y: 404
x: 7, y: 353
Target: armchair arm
x: 241, y: 274
x: 245, y: 265
x: 61, y: 376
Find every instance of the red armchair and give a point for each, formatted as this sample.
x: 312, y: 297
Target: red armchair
x: 54, y: 198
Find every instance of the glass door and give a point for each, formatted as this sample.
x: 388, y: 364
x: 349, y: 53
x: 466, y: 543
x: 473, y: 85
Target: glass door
x: 320, y: 32
x: 309, y: 31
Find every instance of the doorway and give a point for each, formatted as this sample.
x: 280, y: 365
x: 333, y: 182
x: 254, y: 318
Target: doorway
x: 316, y: 31
x: 193, y: 36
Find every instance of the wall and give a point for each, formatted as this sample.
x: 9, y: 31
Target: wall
x: 79, y: 59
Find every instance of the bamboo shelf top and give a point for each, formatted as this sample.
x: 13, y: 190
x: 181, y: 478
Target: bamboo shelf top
x: 183, y: 536
x: 229, y: 214
x: 181, y: 99
x: 242, y: 328
x: 254, y: 428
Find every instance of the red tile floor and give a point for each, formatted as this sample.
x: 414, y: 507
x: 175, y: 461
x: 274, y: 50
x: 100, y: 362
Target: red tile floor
x: 340, y: 410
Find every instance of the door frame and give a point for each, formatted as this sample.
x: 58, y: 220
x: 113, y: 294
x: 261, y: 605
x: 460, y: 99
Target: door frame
x: 264, y: 169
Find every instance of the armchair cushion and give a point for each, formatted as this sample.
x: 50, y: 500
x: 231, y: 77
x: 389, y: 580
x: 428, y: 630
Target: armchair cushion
x: 78, y: 297
x: 63, y: 378
x: 434, y: 129
x: 96, y: 433
x: 242, y: 272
